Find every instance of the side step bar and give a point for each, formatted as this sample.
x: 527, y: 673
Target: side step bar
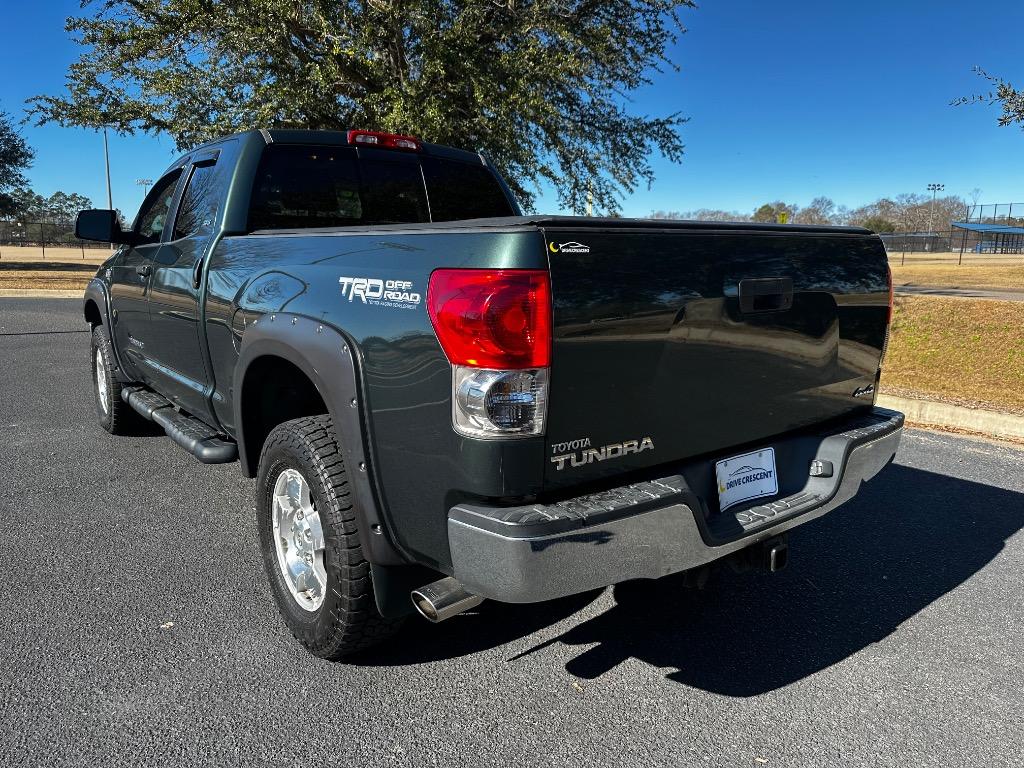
x: 195, y: 436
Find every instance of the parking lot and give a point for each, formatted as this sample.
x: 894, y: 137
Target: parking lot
x: 137, y: 628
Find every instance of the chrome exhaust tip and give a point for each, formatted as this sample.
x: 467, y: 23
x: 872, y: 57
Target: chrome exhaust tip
x: 443, y: 599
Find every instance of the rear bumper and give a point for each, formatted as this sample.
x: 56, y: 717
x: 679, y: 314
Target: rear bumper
x: 654, y: 528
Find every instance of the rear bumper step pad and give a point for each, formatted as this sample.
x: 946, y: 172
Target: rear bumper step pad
x: 195, y: 436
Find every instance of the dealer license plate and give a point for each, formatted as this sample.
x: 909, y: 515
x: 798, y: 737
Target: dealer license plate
x: 746, y: 477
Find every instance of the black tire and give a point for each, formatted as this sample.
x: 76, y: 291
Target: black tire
x: 114, y: 414
x: 347, y: 620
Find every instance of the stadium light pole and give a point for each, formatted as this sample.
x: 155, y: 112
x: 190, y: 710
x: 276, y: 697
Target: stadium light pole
x: 106, y: 162
x: 933, y: 188
x: 145, y: 184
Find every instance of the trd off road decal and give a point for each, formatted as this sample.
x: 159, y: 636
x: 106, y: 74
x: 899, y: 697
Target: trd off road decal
x: 380, y: 293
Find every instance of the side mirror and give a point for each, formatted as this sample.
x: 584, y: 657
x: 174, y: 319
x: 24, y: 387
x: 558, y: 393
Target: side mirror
x: 100, y: 225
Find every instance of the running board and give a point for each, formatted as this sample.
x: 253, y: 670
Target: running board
x: 195, y: 436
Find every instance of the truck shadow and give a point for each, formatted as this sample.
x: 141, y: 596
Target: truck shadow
x: 906, y: 540
x: 487, y: 627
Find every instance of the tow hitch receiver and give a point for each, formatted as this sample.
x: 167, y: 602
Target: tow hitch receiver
x: 775, y: 553
x: 768, y: 556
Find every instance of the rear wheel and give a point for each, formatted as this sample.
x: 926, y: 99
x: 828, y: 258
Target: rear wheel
x: 115, y: 415
x: 309, y: 536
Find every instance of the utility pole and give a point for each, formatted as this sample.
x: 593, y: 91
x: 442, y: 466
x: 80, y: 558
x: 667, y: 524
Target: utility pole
x: 933, y: 188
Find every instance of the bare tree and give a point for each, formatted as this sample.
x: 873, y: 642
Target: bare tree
x: 821, y: 211
x: 701, y: 214
x: 907, y: 212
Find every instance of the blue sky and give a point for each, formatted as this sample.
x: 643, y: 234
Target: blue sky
x: 786, y: 101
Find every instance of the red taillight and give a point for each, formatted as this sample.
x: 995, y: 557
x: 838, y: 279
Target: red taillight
x: 492, y: 318
x: 384, y: 140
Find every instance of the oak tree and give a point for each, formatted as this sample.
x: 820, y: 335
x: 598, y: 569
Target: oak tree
x: 541, y: 86
x: 1009, y: 99
x: 15, y: 157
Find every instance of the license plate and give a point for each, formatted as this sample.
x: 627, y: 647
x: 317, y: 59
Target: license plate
x: 746, y: 477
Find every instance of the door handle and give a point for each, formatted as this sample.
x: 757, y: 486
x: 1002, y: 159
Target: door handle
x: 144, y: 271
x: 769, y: 294
x: 197, y: 273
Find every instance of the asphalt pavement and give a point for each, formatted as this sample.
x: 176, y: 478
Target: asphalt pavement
x: 137, y: 629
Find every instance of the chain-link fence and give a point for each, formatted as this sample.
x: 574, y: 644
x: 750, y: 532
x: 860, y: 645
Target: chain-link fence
x: 1007, y: 214
x: 958, y: 246
x: 45, y: 239
x: 917, y: 242
x: 42, y: 233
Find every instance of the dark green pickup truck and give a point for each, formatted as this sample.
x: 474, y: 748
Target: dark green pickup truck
x: 445, y: 400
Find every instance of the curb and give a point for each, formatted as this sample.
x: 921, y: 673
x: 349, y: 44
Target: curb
x: 39, y: 293
x: 938, y: 414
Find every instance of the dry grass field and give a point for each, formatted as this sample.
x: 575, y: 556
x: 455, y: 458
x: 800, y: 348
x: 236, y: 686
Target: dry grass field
x: 40, y: 275
x: 34, y: 254
x: 963, y: 351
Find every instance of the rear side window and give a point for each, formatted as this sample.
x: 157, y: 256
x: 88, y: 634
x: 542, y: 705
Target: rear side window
x: 318, y: 186
x: 463, y: 191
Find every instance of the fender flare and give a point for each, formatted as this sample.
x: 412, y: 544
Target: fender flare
x: 325, y: 355
x: 96, y: 292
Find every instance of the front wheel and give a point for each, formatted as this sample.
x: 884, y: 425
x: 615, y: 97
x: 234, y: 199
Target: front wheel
x: 114, y: 414
x: 308, y: 532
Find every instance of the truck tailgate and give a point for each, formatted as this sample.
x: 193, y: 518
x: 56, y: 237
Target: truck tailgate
x: 671, y: 343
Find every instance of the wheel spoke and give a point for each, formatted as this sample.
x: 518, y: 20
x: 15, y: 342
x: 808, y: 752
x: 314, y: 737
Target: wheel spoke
x: 303, y: 576
x: 295, y: 486
x: 303, y: 497
x: 316, y: 540
x: 284, y: 508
